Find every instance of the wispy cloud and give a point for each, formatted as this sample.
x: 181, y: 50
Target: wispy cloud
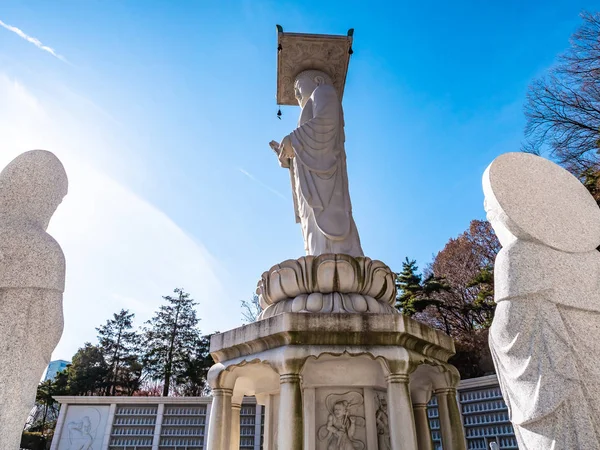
x: 269, y: 188
x: 33, y: 41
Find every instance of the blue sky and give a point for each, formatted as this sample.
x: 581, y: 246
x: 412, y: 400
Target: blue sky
x: 162, y: 113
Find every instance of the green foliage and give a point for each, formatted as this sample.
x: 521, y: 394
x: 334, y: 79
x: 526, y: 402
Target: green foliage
x: 484, y: 298
x: 35, y: 441
x: 456, y: 295
x: 119, y: 344
x: 169, y: 352
x: 414, y: 294
x: 192, y: 381
x: 170, y: 340
x: 88, y: 372
x: 590, y: 177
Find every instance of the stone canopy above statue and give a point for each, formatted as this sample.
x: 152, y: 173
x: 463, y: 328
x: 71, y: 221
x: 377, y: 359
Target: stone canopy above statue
x: 297, y: 52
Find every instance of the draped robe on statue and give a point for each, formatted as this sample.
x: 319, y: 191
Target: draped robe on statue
x: 544, y: 358
x: 321, y: 193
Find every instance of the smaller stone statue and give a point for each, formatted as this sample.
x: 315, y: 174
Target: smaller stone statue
x: 32, y: 280
x: 340, y: 430
x: 545, y: 332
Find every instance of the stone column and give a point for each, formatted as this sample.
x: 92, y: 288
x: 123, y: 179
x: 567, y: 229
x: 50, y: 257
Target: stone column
x: 422, y: 426
x: 290, y: 430
x: 234, y: 440
x: 206, y: 422
x: 453, y: 435
x: 402, y: 426
x: 257, y: 426
x: 370, y: 417
x: 160, y: 412
x: 309, y: 408
x: 220, y: 420
x: 109, y: 424
x: 269, y: 430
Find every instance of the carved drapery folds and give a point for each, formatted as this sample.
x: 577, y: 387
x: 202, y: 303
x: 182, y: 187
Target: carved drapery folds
x: 332, y: 283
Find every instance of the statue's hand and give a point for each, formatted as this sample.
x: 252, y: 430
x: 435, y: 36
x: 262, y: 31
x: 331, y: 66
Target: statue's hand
x: 274, y: 146
x: 285, y: 148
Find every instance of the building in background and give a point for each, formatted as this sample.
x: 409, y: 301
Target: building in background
x: 55, y: 367
x: 178, y: 423
x: 484, y: 416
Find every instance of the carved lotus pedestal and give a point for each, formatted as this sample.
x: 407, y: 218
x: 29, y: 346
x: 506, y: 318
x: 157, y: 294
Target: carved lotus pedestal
x: 329, y: 283
x: 342, y: 380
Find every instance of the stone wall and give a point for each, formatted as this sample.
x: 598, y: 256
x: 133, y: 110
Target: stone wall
x: 156, y: 423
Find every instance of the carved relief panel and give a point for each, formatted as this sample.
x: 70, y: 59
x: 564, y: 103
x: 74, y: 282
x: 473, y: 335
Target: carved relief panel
x: 381, y: 419
x: 84, y: 428
x: 340, y: 420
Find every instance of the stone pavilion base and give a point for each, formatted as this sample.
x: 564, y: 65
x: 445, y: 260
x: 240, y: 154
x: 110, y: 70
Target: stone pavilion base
x: 335, y: 381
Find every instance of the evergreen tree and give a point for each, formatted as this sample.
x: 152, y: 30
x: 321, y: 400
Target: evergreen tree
x: 119, y: 345
x: 170, y: 339
x: 461, y: 281
x: 42, y: 419
x: 414, y: 294
x: 88, y: 373
x: 192, y: 381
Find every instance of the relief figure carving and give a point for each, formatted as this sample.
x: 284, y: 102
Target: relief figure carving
x: 342, y: 422
x: 381, y: 419
x: 82, y: 433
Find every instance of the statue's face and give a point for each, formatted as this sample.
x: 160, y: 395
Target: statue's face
x: 339, y: 410
x: 498, y: 219
x: 303, y: 89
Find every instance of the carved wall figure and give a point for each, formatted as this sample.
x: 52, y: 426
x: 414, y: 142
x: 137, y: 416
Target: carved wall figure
x: 32, y: 277
x: 81, y: 434
x: 547, y: 290
x: 342, y: 421
x: 382, y: 421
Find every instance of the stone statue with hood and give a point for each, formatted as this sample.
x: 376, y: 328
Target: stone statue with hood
x: 32, y: 281
x: 314, y: 152
x: 546, y: 334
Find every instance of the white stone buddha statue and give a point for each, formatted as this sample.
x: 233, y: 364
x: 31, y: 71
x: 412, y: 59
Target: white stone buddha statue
x: 314, y: 152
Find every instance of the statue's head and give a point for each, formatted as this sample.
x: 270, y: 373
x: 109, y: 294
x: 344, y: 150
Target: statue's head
x: 306, y: 82
x: 383, y: 403
x: 340, y: 409
x: 506, y: 230
x: 532, y: 199
x: 31, y: 187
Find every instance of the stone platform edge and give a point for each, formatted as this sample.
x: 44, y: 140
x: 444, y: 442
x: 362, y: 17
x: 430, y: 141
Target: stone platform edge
x: 304, y: 329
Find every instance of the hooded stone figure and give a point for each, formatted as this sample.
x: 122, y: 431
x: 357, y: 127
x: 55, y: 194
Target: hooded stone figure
x: 315, y: 154
x: 32, y: 280
x: 545, y: 334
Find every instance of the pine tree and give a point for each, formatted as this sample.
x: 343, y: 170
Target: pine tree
x: 88, y: 373
x: 192, y: 381
x: 119, y: 344
x: 170, y: 339
x: 414, y: 294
